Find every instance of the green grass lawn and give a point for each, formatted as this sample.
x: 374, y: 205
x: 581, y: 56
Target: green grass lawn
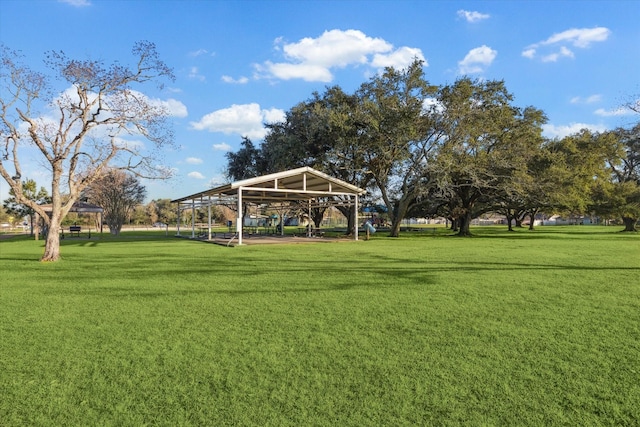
x: 522, y: 328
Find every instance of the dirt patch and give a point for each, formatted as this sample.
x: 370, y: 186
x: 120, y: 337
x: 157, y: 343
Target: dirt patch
x: 269, y: 240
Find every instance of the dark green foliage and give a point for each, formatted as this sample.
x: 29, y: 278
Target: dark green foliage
x: 28, y: 190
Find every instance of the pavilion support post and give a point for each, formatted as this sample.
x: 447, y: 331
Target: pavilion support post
x: 309, y: 213
x: 281, y: 212
x: 209, y: 216
x: 355, y: 223
x: 239, y: 219
x: 193, y: 218
x: 178, y: 221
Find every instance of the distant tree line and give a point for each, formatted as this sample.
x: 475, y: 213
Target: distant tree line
x: 122, y: 208
x: 456, y: 151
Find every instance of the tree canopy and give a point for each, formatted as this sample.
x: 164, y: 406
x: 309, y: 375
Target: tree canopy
x: 619, y: 196
x: 458, y: 150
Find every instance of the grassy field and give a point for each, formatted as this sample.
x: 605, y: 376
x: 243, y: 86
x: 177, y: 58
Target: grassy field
x: 522, y: 328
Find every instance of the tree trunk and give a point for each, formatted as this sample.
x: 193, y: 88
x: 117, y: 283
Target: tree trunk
x: 532, y: 220
x: 509, y: 221
x: 52, y: 243
x: 349, y: 213
x: 317, y: 214
x: 399, y: 213
x: 35, y: 226
x: 395, y: 228
x: 32, y: 219
x: 465, y: 222
x: 115, y: 230
x: 629, y: 224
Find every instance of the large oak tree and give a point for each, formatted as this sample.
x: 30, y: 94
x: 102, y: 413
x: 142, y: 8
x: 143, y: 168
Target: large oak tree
x: 398, y: 137
x: 620, y: 196
x: 486, y: 145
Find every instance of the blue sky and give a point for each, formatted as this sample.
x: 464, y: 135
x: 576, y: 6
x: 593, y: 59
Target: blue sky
x: 241, y: 63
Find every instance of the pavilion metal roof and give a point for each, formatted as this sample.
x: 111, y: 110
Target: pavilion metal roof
x: 79, y: 207
x: 296, y: 184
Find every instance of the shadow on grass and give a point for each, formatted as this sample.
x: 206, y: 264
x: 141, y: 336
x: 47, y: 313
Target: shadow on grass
x: 123, y: 292
x: 313, y: 277
x: 14, y: 237
x: 538, y: 233
x: 496, y: 266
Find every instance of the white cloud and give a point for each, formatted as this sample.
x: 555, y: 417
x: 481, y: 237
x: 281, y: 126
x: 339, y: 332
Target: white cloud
x: 273, y: 115
x: 217, y: 181
x: 563, y: 52
x: 76, y: 3
x: 553, y: 131
x: 588, y: 100
x: 581, y: 38
x: 198, y: 52
x: 336, y: 48
x: 175, y: 108
x: 432, y: 105
x: 193, y: 160
x: 195, y: 175
x: 245, y: 120
x: 399, y: 59
x: 194, y: 73
x: 314, y: 59
x: 241, y: 80
x: 286, y: 71
x: 223, y: 146
x: 472, y: 16
x: 172, y: 107
x: 620, y: 111
x: 477, y: 60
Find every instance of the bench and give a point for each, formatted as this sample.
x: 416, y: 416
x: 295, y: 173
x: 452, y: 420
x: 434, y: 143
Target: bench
x: 75, y: 230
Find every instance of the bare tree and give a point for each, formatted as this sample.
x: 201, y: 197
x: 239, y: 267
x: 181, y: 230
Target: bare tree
x: 78, y: 133
x: 118, y: 193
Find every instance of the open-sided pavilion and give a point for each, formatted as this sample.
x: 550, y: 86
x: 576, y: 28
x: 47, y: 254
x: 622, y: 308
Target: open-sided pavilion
x: 81, y: 208
x: 304, y: 184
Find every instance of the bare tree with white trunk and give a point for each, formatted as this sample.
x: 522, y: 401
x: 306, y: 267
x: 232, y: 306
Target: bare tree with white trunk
x: 101, y: 120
